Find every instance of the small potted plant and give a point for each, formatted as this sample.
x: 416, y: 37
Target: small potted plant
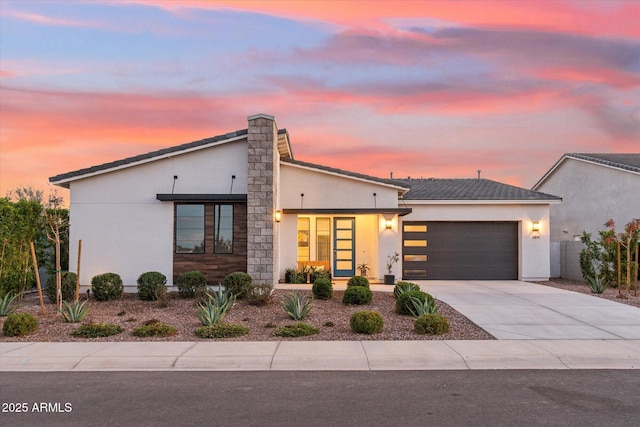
x: 363, y: 268
x: 389, y: 279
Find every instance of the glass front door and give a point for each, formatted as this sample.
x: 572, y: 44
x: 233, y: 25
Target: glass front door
x: 344, y: 262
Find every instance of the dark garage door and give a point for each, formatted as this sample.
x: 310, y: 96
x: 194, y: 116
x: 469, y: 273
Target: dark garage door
x: 460, y: 250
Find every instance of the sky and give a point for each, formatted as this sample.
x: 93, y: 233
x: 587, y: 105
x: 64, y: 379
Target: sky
x: 418, y: 88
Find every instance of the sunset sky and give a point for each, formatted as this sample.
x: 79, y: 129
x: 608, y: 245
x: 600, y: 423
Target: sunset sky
x: 421, y: 88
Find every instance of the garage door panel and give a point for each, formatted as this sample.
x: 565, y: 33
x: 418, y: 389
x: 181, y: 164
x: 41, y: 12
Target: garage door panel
x: 462, y: 250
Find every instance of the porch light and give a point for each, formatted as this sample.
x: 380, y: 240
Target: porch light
x: 535, y: 226
x: 278, y: 216
x: 388, y: 223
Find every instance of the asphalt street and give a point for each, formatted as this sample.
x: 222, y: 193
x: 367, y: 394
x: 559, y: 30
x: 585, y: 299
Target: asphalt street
x: 381, y: 398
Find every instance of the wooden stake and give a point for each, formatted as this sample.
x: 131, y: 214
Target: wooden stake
x: 635, y: 289
x: 629, y: 264
x: 78, y: 273
x: 35, y: 266
x: 619, y: 277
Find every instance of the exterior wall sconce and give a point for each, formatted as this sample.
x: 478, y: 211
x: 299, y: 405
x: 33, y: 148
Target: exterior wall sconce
x: 278, y: 216
x: 535, y: 226
x: 388, y: 223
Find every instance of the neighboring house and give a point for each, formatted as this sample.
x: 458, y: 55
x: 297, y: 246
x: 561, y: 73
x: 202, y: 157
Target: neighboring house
x: 594, y: 188
x: 241, y: 202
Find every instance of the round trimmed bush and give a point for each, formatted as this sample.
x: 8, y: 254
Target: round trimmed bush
x: 431, y: 324
x: 148, y: 284
x: 404, y: 305
x: 107, y: 286
x: 18, y: 324
x: 358, y: 281
x: 237, y: 283
x: 366, y: 322
x: 191, y: 282
x: 322, y: 289
x: 68, y: 286
x: 357, y: 295
x: 402, y: 287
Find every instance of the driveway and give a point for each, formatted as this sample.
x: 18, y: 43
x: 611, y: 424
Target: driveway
x: 521, y: 310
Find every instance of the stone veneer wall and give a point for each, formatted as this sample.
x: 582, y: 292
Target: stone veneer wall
x: 261, y: 198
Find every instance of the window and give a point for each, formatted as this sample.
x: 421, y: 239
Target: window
x: 190, y: 229
x: 323, y: 239
x: 303, y: 239
x: 223, y: 234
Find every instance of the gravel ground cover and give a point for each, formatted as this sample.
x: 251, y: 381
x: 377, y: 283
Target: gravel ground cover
x: 330, y: 316
x: 612, y: 294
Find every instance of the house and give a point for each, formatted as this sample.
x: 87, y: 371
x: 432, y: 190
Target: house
x: 241, y: 202
x: 594, y: 188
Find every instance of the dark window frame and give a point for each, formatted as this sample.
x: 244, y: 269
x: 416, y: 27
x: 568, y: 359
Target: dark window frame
x: 176, y: 230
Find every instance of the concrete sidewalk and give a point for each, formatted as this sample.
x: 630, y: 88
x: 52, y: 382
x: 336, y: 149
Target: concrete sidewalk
x: 319, y: 355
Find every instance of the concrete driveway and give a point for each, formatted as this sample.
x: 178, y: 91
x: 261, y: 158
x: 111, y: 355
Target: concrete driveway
x: 521, y: 310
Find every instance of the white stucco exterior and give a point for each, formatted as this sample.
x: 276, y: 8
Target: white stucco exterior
x: 123, y: 227
x: 533, y: 247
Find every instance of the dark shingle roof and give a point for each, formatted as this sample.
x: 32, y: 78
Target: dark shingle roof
x: 148, y: 156
x: 470, y: 189
x: 394, y: 182
x: 625, y: 161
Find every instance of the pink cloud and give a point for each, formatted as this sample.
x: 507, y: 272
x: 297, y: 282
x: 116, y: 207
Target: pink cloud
x: 48, y: 20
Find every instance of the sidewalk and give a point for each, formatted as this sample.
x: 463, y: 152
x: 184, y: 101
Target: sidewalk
x: 320, y: 355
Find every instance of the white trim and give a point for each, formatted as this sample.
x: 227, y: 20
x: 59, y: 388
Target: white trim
x: 355, y: 178
x: 149, y: 160
x: 568, y: 156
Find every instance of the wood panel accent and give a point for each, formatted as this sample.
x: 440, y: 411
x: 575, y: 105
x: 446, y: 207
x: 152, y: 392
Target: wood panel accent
x: 216, y: 266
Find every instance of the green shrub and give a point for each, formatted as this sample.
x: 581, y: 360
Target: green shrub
x: 366, y: 322
x: 96, y: 330
x: 7, y: 304
x: 404, y: 302
x: 322, y: 288
x: 191, y: 282
x: 222, y: 330
x: 18, y: 324
x: 148, y: 284
x: 237, y: 283
x: 402, y: 287
x: 296, y: 306
x: 68, y: 282
x: 357, y: 295
x: 259, y: 294
x: 431, y: 324
x: 300, y: 329
x: 107, y: 286
x: 162, y: 296
x: 154, y: 328
x: 74, y: 313
x: 358, y: 281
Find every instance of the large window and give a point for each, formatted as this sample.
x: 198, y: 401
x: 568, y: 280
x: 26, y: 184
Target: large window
x: 303, y: 239
x: 323, y: 239
x: 190, y: 229
x: 223, y: 234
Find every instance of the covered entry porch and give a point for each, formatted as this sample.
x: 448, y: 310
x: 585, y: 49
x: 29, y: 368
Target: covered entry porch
x: 340, y: 241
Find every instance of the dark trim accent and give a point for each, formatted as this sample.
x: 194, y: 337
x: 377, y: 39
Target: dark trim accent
x: 355, y: 211
x: 202, y: 197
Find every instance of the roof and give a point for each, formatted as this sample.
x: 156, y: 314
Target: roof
x: 628, y: 162
x: 392, y: 182
x: 471, y: 190
x: 284, y: 147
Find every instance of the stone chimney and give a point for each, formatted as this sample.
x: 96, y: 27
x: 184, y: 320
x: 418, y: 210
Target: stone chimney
x: 263, y: 170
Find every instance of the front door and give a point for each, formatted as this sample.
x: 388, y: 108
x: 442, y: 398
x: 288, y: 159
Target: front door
x: 344, y: 260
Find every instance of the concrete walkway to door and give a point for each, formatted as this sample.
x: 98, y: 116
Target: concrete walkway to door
x: 521, y: 310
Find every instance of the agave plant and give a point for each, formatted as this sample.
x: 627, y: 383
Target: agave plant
x: 429, y: 306
x: 597, y: 284
x: 7, y: 304
x: 296, y: 306
x: 403, y: 287
x: 74, y: 313
x: 213, y: 310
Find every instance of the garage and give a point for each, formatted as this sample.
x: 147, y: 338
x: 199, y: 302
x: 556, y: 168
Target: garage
x: 457, y: 250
